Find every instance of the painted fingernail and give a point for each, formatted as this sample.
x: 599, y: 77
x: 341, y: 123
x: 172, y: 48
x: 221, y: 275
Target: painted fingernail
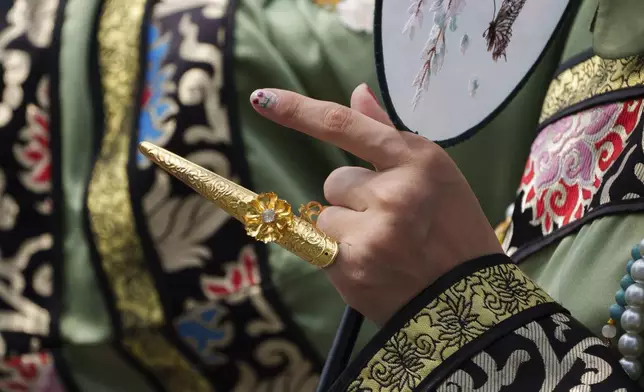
x: 263, y: 99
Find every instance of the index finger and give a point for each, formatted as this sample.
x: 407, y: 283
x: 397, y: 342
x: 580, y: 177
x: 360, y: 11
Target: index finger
x: 345, y: 128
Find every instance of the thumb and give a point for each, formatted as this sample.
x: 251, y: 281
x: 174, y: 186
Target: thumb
x: 364, y: 101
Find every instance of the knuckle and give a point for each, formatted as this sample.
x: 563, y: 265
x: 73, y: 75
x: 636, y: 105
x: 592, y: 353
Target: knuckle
x: 338, y: 119
x: 436, y: 158
x: 388, y: 200
x: 333, y: 183
x: 292, y: 109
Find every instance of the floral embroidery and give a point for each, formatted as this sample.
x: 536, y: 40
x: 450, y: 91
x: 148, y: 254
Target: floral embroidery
x: 568, y: 161
x: 402, y: 364
x: 459, y: 324
x: 155, y: 125
x: 459, y: 315
x: 240, y: 276
x: 30, y: 372
x: 35, y: 154
x: 203, y: 330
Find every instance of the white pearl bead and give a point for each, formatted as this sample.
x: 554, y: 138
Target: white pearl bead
x: 609, y: 331
x: 637, y: 271
x: 634, y: 295
x: 630, y: 345
x: 632, y: 367
x: 632, y: 320
x: 641, y: 247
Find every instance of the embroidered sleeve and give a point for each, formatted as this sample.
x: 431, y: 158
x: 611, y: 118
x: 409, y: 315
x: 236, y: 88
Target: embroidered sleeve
x: 483, y: 326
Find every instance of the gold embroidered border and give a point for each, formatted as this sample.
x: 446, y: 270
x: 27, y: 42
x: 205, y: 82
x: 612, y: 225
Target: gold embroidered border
x: 459, y: 315
x: 591, y: 78
x: 111, y: 215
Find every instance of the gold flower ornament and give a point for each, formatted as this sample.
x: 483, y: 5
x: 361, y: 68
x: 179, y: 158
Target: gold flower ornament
x: 268, y: 218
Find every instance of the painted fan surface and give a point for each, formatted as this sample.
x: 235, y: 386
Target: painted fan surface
x: 447, y: 66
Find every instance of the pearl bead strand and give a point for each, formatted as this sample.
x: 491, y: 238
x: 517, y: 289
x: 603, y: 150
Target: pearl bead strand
x: 629, y: 311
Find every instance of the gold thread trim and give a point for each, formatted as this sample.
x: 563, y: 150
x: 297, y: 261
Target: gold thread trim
x: 591, y: 78
x: 459, y: 315
x: 111, y: 215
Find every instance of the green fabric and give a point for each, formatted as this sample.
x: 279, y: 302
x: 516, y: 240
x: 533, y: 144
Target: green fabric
x: 582, y: 271
x: 505, y: 142
x: 589, y: 264
x: 101, y: 369
x: 619, y: 28
x: 579, y: 38
x: 597, y: 255
x: 318, y: 57
x: 84, y: 318
x: 316, y: 62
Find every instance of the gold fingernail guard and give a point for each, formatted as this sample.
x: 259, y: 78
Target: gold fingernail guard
x: 267, y: 218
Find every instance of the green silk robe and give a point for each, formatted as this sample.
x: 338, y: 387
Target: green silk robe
x: 129, y: 273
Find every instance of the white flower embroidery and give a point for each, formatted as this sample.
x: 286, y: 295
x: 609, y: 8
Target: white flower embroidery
x: 357, y: 15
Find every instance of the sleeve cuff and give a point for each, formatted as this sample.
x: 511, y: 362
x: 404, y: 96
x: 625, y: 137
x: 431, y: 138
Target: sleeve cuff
x: 459, y: 315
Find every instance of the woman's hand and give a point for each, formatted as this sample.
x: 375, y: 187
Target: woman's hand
x: 401, y: 226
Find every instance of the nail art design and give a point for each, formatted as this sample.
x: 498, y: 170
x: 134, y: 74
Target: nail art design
x: 263, y: 99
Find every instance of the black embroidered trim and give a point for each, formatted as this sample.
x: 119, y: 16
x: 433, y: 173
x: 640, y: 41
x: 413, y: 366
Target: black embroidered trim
x: 262, y: 251
x: 99, y: 125
x: 136, y: 194
x: 533, y: 369
x: 528, y: 239
x: 447, y: 367
x: 411, y: 309
x: 175, y: 288
x: 596, y: 100
x: 552, y: 44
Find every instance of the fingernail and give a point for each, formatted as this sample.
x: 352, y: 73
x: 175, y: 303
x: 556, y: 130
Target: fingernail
x: 373, y: 95
x: 263, y: 99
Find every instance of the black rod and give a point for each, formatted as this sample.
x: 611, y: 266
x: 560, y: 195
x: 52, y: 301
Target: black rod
x: 341, y: 349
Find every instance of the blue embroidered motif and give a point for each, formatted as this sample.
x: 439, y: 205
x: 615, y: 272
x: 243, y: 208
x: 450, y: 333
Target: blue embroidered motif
x: 202, y: 331
x: 156, y: 106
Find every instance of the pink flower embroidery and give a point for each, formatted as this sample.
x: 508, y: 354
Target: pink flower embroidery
x: 30, y: 372
x: 35, y: 154
x: 569, y: 159
x: 240, y: 276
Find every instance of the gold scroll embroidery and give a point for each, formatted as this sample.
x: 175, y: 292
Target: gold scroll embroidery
x: 110, y: 209
x: 459, y: 315
x: 591, y: 78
